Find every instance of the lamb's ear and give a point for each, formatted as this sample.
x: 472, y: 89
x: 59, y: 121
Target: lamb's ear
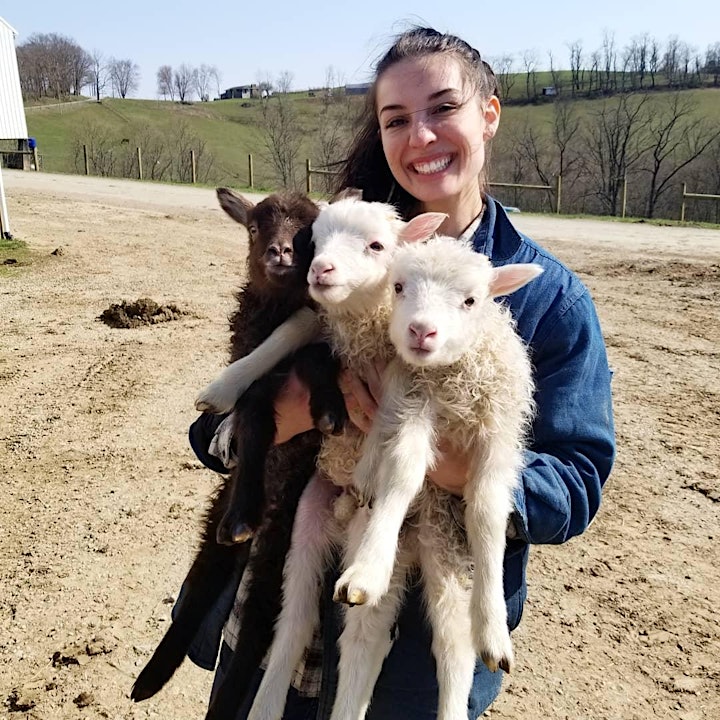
x: 347, y: 194
x: 235, y: 205
x: 422, y: 227
x: 509, y: 278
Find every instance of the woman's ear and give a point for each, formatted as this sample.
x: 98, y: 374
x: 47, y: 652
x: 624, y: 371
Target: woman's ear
x: 491, y: 115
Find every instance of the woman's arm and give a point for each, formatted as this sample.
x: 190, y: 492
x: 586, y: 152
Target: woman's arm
x: 573, y: 443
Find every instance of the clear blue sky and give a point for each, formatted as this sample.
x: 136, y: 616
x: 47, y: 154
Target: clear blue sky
x: 246, y: 41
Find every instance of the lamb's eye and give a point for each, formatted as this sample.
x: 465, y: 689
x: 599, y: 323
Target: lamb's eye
x: 398, y: 288
x: 376, y: 246
x: 470, y: 302
x: 252, y: 230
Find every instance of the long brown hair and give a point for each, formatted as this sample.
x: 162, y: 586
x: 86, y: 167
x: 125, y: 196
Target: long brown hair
x: 366, y: 167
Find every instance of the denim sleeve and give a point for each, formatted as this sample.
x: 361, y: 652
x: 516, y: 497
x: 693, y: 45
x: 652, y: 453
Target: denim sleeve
x: 573, y: 440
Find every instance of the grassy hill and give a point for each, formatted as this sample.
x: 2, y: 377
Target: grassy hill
x: 229, y: 131
x: 224, y: 133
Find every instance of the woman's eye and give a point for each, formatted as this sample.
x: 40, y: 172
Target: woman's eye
x: 395, y: 122
x: 376, y: 246
x: 398, y: 288
x: 444, y: 108
x: 470, y: 302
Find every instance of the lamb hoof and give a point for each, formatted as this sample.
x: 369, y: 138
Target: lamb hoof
x: 215, y: 400
x: 205, y: 403
x: 349, y: 596
x: 331, y: 423
x: 493, y: 664
x: 228, y: 534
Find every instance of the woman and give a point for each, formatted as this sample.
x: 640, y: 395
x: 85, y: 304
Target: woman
x: 431, y: 112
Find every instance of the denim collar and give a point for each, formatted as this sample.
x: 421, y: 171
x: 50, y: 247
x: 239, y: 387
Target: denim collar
x: 496, y: 237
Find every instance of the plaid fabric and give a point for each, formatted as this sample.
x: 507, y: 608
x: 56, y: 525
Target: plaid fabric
x: 308, y: 674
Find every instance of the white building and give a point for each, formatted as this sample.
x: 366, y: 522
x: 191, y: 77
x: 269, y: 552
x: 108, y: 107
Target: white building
x: 13, y: 125
x: 12, y: 111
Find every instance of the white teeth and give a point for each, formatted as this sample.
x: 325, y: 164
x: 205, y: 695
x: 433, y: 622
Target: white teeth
x: 432, y: 167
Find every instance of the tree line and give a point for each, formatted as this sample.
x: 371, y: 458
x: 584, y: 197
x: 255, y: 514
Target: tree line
x: 54, y: 66
x: 644, y: 63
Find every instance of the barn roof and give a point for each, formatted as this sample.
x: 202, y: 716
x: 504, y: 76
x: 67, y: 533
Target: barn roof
x: 13, y: 125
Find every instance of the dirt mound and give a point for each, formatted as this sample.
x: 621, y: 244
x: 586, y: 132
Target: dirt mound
x: 143, y: 311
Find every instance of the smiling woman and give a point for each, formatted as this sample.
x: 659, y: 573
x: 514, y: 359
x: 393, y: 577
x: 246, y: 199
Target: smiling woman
x: 436, y: 151
x: 430, y: 115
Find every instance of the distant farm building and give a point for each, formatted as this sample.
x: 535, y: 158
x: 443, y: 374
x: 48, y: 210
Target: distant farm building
x: 357, y: 89
x: 241, y: 92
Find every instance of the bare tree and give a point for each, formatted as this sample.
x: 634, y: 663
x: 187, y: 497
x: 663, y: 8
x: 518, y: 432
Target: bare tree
x: 165, y: 84
x: 576, y: 60
x: 184, y: 82
x: 284, y: 82
x: 671, y: 61
x: 124, y: 76
x: 608, y: 84
x: 504, y: 72
x: 654, y: 61
x: 282, y: 133
x: 615, y: 145
x: 554, y: 74
x: 204, y: 76
x: 566, y: 130
x: 677, y: 138
x: 333, y: 129
x: 530, y: 65
x: 98, y: 74
x: 712, y: 62
x: 216, y: 77
x: 51, y: 65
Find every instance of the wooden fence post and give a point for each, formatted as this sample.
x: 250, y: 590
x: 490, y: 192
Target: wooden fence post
x: 192, y: 166
x: 36, y: 159
x: 251, y: 177
x: 308, y: 170
x: 558, y: 194
x: 682, y: 207
x: 624, y: 195
x: 139, y: 157
x: 85, y: 155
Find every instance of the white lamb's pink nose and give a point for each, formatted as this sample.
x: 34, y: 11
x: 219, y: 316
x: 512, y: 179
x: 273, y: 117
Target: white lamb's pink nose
x: 421, y: 332
x: 321, y: 267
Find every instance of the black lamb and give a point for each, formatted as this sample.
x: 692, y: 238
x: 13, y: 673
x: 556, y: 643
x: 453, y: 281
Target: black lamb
x: 259, y: 499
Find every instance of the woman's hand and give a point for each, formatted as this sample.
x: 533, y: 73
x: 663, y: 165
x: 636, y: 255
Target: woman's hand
x: 362, y: 399
x: 292, y: 410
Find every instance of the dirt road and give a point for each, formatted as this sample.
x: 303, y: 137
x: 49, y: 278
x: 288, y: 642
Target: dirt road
x: 102, y: 495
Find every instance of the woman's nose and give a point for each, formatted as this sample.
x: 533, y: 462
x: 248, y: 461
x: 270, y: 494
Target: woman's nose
x: 421, y: 132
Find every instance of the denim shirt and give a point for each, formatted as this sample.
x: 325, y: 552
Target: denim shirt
x: 572, y: 445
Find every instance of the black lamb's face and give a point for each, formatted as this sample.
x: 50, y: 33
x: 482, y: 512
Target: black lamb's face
x: 280, y: 241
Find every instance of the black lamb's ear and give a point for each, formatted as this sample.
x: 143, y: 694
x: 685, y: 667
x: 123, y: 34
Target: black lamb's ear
x: 234, y: 204
x: 347, y: 194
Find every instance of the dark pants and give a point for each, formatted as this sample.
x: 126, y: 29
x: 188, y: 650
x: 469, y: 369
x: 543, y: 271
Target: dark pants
x: 406, y: 688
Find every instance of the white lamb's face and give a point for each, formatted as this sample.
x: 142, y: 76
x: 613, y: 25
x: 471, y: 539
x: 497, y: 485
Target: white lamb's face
x: 433, y: 323
x: 353, y: 250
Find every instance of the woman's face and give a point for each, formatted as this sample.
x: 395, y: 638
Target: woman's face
x: 433, y: 131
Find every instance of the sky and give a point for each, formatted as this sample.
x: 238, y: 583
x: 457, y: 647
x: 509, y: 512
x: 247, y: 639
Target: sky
x: 248, y: 43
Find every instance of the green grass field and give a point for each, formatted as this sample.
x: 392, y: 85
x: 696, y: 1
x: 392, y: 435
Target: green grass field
x: 232, y: 132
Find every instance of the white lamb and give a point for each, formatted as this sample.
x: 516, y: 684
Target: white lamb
x: 462, y: 373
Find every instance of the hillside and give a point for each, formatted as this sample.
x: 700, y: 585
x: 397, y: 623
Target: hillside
x: 223, y: 134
